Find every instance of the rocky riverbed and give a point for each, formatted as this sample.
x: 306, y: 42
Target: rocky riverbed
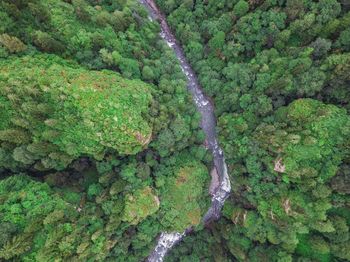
x: 208, y: 123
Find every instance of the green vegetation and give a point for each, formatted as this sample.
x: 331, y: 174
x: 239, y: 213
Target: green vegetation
x: 140, y: 205
x: 100, y: 144
x: 181, y: 203
x: 92, y: 213
x: 278, y: 73
x: 287, y: 167
x: 93, y: 109
x: 65, y: 112
x: 32, y: 212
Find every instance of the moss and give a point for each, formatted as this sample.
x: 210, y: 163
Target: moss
x: 314, y: 132
x: 139, y: 205
x: 77, y: 110
x: 181, y: 198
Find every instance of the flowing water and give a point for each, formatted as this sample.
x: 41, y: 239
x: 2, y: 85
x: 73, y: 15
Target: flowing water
x: 208, y: 123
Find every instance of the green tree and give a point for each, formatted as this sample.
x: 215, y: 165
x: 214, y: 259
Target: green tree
x: 74, y: 118
x: 241, y: 8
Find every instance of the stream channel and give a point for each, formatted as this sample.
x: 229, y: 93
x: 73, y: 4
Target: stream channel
x: 167, y: 240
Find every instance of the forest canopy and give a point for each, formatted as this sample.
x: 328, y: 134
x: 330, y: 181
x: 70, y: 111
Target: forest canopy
x: 101, y: 147
x: 95, y: 118
x: 69, y: 112
x: 278, y: 74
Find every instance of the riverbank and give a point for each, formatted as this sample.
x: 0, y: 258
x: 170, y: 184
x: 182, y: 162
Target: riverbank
x: 208, y: 124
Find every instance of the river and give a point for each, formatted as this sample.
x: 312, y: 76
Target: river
x: 208, y: 124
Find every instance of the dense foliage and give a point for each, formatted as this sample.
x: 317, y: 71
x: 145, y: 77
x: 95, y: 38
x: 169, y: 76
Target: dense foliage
x: 100, y: 146
x: 103, y: 147
x: 56, y: 113
x: 288, y: 157
x: 181, y: 197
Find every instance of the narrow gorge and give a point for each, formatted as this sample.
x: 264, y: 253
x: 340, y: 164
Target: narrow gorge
x: 208, y: 124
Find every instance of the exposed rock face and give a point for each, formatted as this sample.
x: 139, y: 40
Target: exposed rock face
x: 279, y: 166
x: 215, y: 182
